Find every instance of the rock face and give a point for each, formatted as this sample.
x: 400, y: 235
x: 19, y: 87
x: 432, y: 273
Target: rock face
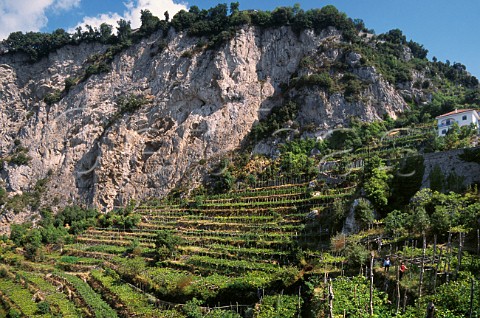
x: 450, y: 163
x: 202, y: 104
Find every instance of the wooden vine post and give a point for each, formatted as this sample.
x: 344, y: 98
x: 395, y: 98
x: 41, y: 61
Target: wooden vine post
x: 434, y: 260
x: 371, y: 283
x: 330, y: 299
x: 459, y: 256
x: 430, y: 310
x: 404, y: 306
x: 397, y: 271
x: 422, y: 267
x: 436, y: 271
x: 449, y: 247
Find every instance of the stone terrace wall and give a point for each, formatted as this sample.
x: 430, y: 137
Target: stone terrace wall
x: 449, y: 162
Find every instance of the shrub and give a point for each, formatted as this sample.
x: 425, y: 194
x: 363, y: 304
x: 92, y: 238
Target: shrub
x: 13, y: 313
x: 130, y: 103
x: 43, y: 308
x: 356, y: 254
x: 166, y: 243
x: 187, y: 54
x: 192, y: 308
x: 99, y: 68
x: 69, y: 83
x: 20, y: 159
x: 52, y: 98
x: 279, y: 306
x: 364, y: 213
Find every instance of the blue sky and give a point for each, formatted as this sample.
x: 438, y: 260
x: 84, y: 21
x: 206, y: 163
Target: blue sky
x: 448, y: 29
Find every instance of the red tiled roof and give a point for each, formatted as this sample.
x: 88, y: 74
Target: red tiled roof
x: 456, y: 111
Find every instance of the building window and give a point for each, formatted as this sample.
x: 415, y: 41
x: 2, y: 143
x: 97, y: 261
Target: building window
x: 464, y: 117
x: 444, y: 132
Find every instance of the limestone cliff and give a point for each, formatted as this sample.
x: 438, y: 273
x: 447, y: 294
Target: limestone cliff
x: 201, y: 104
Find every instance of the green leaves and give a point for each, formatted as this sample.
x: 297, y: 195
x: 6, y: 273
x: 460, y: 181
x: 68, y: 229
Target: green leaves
x: 279, y: 306
x: 377, y: 186
x: 92, y: 299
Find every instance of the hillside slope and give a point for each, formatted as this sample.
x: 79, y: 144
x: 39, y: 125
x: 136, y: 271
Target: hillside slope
x: 198, y: 107
x: 90, y: 125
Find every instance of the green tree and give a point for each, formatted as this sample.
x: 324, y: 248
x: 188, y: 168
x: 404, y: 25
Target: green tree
x: 234, y: 7
x: 419, y: 221
x: 377, y: 186
x: 282, y: 16
x: 192, y: 308
x: 394, y: 36
x: 395, y: 222
x: 364, y: 213
x: 443, y: 219
x: 105, y: 32
x: 3, y: 195
x: 18, y: 233
x: 33, y: 245
x: 149, y: 22
x: 356, y: 254
x: 166, y: 243
x: 124, y: 31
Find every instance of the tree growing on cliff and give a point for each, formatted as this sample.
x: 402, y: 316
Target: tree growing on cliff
x: 376, y: 184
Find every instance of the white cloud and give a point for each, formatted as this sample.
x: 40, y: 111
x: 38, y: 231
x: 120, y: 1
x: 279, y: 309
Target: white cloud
x: 66, y: 4
x: 109, y: 18
x: 28, y: 15
x: 132, y: 13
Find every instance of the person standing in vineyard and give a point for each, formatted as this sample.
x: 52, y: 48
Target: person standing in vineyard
x: 403, y: 268
x: 386, y: 264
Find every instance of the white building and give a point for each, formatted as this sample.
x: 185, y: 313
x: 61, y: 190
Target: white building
x: 463, y: 117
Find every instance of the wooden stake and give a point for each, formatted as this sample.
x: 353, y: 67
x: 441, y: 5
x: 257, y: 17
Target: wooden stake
x: 449, y: 246
x: 436, y: 271
x: 434, y: 259
x: 430, y: 310
x: 397, y: 271
x: 330, y: 299
x: 371, y: 284
x: 404, y: 300
x: 422, y: 267
x: 460, y: 247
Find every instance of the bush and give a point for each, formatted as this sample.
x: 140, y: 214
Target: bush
x: 99, y: 68
x: 192, y: 308
x: 69, y: 83
x: 364, y: 213
x: 356, y: 254
x: 278, y: 306
x: 43, y: 308
x: 20, y: 159
x: 52, y: 98
x: 166, y: 243
x: 130, y: 103
x: 120, y: 218
x: 13, y: 313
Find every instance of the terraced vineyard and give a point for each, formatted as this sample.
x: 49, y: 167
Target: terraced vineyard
x: 231, y: 246
x: 222, y: 255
